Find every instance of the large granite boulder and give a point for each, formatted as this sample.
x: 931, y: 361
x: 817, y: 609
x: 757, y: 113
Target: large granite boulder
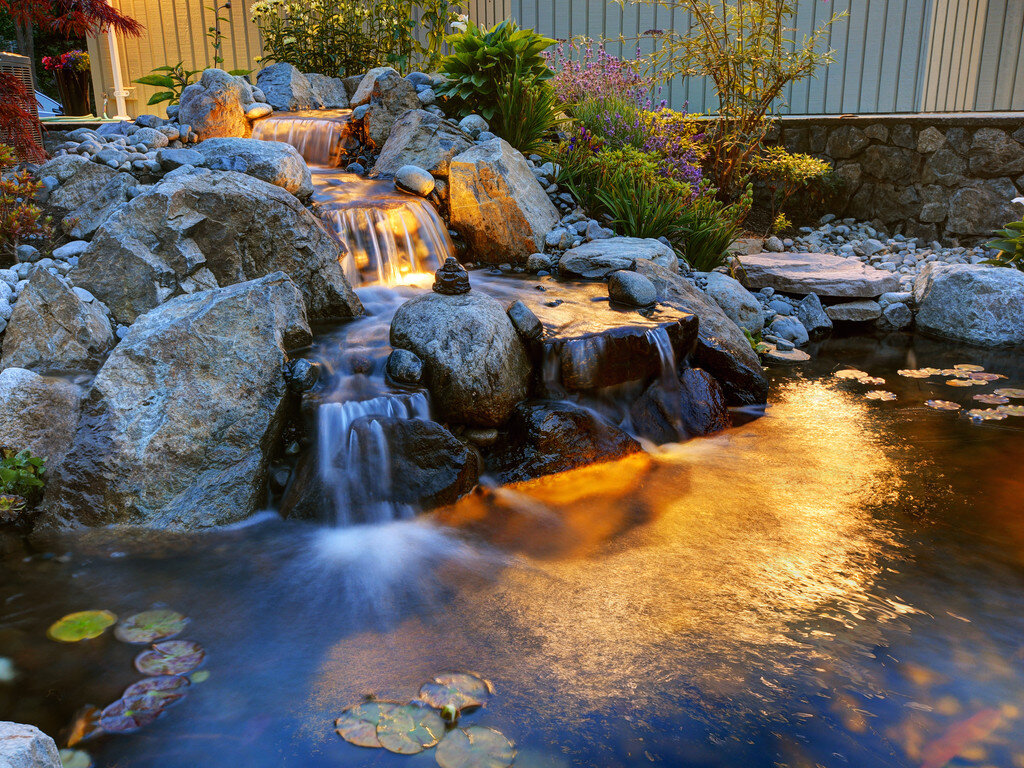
x: 82, y: 185
x: 25, y: 746
x: 216, y: 106
x: 737, y: 302
x: 475, y: 365
x: 63, y: 168
x: 38, y: 413
x: 179, y: 423
x: 548, y: 437
x: 497, y: 204
x: 722, y: 349
x: 53, y: 329
x: 213, y: 229
x: 820, y: 273
x: 975, y: 303
x: 275, y: 162
x: 367, y: 83
x: 84, y: 220
x: 422, y: 139
x: 285, y: 88
x: 599, y: 258
x: 390, y: 98
x: 328, y: 92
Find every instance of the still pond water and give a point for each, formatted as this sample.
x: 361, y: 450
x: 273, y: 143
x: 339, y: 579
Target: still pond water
x: 838, y: 583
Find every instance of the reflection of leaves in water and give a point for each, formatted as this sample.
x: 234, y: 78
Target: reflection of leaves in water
x: 880, y: 394
x: 942, y: 405
x: 85, y: 725
x: 409, y: 729
x: 457, y: 689
x: 358, y: 724
x: 991, y: 399
x: 986, y: 414
x: 173, y: 657
x: 83, y: 625
x: 475, y: 747
x: 872, y: 380
x: 150, y: 626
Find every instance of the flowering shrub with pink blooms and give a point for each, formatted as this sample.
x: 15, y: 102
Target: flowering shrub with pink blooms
x: 583, y: 71
x: 74, y: 61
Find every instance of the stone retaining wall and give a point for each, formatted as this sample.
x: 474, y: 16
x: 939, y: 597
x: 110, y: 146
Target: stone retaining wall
x: 936, y: 177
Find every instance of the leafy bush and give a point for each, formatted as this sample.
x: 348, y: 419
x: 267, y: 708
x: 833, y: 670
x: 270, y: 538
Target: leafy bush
x: 174, y: 79
x: 708, y: 228
x: 784, y: 173
x: 22, y: 474
x: 1009, y: 244
x: 483, y: 62
x: 20, y: 219
x: 348, y: 37
x: 533, y: 110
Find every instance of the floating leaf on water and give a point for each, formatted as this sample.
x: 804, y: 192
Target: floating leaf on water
x: 962, y: 382
x: 172, y: 657
x: 199, y: 676
x: 969, y: 367
x: 75, y: 758
x: 873, y: 380
x: 458, y: 689
x: 475, y: 747
x: 1011, y: 410
x: 150, y: 626
x: 942, y: 405
x: 408, y: 729
x: 851, y: 373
x: 986, y: 414
x: 918, y: 373
x: 986, y: 376
x: 991, y: 399
x: 127, y: 715
x: 83, y: 625
x: 955, y: 372
x: 1011, y: 392
x: 85, y: 725
x: 879, y: 394
x: 158, y: 692
x: 358, y: 724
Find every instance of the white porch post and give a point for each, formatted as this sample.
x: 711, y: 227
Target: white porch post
x: 115, y: 66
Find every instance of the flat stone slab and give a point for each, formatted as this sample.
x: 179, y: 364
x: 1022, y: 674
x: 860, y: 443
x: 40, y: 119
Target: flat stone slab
x: 599, y: 258
x: 791, y: 356
x: 820, y: 273
x: 854, y: 311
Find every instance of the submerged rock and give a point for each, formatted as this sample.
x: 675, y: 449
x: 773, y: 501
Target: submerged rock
x: 475, y: 365
x: 978, y: 304
x: 549, y: 437
x: 178, y: 425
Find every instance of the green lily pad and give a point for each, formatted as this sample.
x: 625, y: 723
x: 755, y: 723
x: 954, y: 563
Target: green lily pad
x: 457, y: 689
x: 409, y: 729
x: 358, y: 724
x: 83, y: 625
x: 150, y: 626
x: 75, y: 758
x: 173, y: 657
x: 127, y: 716
x: 157, y: 692
x: 942, y: 405
x: 199, y: 676
x: 475, y: 747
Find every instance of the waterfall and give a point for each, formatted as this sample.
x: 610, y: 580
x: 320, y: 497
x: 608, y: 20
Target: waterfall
x: 668, y: 378
x: 322, y: 137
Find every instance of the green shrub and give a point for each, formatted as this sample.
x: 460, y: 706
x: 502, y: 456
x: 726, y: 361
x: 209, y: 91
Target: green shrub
x: 527, y: 113
x: 174, y: 79
x: 784, y: 173
x: 482, y: 62
x: 708, y: 228
x: 21, y: 474
x: 1009, y: 244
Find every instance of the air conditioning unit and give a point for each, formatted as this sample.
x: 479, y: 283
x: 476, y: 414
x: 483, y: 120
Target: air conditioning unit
x: 18, y: 66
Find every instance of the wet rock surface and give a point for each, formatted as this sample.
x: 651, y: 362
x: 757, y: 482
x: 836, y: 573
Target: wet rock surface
x: 600, y: 258
x: 693, y: 406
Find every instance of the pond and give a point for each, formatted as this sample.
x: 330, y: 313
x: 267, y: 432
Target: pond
x: 837, y: 583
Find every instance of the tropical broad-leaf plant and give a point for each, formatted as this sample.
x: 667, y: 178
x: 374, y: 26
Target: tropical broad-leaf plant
x: 172, y: 79
x: 1009, y: 244
x: 482, y: 62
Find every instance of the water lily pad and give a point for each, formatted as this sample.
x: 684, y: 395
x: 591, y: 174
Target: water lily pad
x: 992, y: 399
x: 358, y: 724
x: 879, y: 394
x: 83, y: 625
x: 157, y: 692
x: 851, y: 373
x: 985, y: 376
x: 172, y: 657
x: 986, y: 414
x: 127, y: 716
x: 457, y: 689
x: 918, y: 373
x: 475, y: 747
x: 942, y: 405
x: 1011, y: 392
x: 150, y: 626
x: 969, y: 367
x: 75, y: 758
x: 409, y: 729
x: 1011, y: 410
x: 873, y: 380
x: 962, y: 382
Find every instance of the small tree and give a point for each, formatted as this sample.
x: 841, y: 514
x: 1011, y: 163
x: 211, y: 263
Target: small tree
x: 750, y: 52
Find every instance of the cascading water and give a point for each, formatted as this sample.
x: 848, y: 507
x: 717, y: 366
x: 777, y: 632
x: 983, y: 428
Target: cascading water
x: 322, y: 137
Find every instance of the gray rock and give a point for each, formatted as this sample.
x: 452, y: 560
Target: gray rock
x: 53, y: 329
x: 390, y: 98
x: 258, y: 110
x: 90, y: 215
x: 25, y: 746
x: 904, y: 297
x: 736, y: 301
x: 790, y: 356
x: 789, y: 328
x: 70, y: 250
x: 151, y: 138
x: 364, y: 90
x: 722, y: 348
x: 38, y: 413
x: 820, y: 273
x: 497, y: 205
x: 694, y: 408
x: 812, y: 315
x: 285, y: 88
x: 169, y: 440
x: 527, y: 323
x: 854, y: 311
x: 595, y: 231
x: 629, y: 288
x: 774, y: 245
x: 271, y: 161
x: 302, y: 374
x: 328, y: 92
x: 475, y: 364
x: 222, y: 228
x: 895, y: 316
x: 538, y: 262
x: 170, y: 159
x: 599, y: 258
x: 474, y: 125
x: 405, y: 367
x: 215, y: 106
x: 83, y: 184
x: 994, y: 153
x: 27, y: 254
x: 421, y: 139
x: 981, y: 207
x: 415, y: 180
x: 62, y: 168
x: 975, y: 303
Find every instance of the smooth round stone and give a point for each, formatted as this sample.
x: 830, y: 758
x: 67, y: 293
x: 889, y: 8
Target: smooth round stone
x: 412, y: 178
x: 256, y: 111
x: 405, y: 367
x: 631, y: 288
